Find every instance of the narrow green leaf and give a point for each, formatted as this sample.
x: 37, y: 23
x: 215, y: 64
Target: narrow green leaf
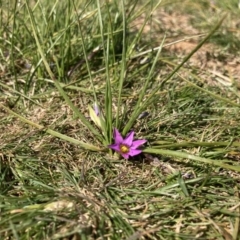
x: 57, y: 84
x: 52, y: 132
x: 183, y: 185
x: 179, y: 154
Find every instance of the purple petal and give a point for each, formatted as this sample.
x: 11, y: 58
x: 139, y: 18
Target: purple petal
x: 134, y: 152
x: 125, y: 155
x: 138, y: 143
x: 115, y: 147
x: 117, y: 136
x: 129, y: 139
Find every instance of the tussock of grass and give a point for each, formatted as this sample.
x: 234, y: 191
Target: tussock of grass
x: 57, y: 58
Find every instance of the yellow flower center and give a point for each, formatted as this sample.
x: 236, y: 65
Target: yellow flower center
x: 124, y: 148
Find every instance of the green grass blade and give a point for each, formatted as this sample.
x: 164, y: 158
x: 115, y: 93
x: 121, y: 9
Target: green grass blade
x: 139, y: 106
x: 182, y: 185
x: 56, y: 83
x: 108, y: 94
x: 179, y: 154
x: 150, y: 99
x: 214, y: 95
x: 195, y: 144
x: 52, y: 132
x: 123, y: 63
x: 194, y: 50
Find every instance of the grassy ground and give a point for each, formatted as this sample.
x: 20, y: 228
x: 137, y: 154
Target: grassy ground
x: 58, y: 180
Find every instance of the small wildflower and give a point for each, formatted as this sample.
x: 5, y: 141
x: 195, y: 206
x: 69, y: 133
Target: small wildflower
x: 126, y: 147
x: 96, y: 109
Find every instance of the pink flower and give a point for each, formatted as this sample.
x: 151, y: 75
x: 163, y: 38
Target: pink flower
x: 126, y: 147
